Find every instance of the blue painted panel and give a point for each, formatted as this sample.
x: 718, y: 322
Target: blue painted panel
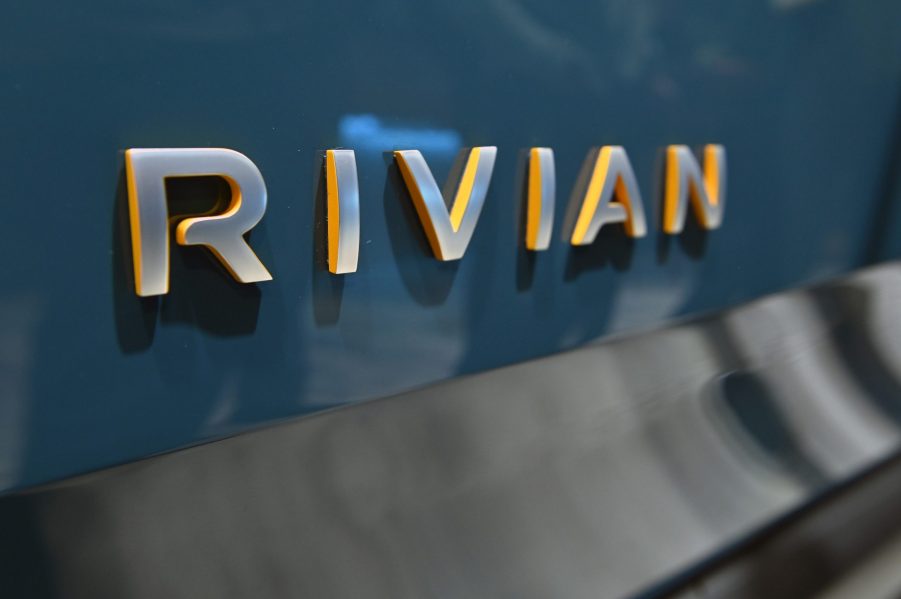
x: 804, y: 96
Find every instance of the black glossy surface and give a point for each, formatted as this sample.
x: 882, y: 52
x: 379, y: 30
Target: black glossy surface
x: 608, y: 471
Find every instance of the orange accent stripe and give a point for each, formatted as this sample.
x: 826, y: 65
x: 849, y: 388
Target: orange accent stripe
x: 533, y: 209
x: 464, y: 191
x: 333, y: 214
x: 592, y: 196
x: 671, y: 199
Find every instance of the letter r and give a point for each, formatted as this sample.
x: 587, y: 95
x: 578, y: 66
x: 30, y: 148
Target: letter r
x: 223, y: 234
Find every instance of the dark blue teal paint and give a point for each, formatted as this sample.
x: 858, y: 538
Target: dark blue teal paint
x: 804, y: 98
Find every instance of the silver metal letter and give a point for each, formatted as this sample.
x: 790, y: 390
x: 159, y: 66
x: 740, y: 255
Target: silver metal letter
x: 222, y: 234
x: 684, y: 179
x: 541, y: 197
x: 612, y: 176
x: 448, y: 232
x: 343, y: 212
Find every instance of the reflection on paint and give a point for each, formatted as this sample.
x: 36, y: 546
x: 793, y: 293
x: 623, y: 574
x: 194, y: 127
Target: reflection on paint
x: 19, y: 317
x: 369, y: 132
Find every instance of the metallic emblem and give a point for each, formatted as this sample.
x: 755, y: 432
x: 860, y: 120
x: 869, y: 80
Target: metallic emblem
x: 541, y: 196
x: 343, y: 211
x: 222, y: 234
x: 683, y: 178
x: 448, y: 232
x: 611, y: 196
x: 611, y: 177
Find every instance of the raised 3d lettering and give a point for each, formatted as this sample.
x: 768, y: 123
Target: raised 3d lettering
x: 611, y: 196
x: 448, y: 231
x: 146, y: 173
x: 343, y: 211
x: 611, y: 178
x: 684, y: 180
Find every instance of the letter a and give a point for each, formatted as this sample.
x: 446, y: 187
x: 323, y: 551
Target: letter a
x: 612, y: 177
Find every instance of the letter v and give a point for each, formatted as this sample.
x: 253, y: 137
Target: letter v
x: 448, y: 231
